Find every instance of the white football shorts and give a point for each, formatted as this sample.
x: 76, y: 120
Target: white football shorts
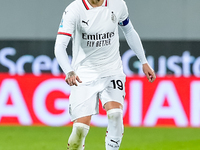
x: 84, y: 98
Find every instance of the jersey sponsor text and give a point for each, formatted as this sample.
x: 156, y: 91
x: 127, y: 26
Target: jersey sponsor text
x: 98, y: 40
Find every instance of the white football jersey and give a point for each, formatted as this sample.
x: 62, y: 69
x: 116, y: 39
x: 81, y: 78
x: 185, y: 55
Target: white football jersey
x: 95, y: 37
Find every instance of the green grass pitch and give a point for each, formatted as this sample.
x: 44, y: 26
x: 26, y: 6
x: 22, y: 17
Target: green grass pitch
x: 55, y: 138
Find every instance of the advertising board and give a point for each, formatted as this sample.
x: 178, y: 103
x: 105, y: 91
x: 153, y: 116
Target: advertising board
x: 33, y: 90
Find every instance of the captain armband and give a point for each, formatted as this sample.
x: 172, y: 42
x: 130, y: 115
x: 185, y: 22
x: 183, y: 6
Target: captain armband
x: 125, y: 22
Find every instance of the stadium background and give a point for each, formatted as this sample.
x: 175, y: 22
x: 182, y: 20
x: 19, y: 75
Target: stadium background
x: 32, y: 90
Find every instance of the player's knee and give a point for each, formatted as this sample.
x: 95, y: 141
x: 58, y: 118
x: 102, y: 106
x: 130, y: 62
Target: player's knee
x: 115, y: 116
x: 77, y: 137
x: 81, y: 129
x: 80, y: 132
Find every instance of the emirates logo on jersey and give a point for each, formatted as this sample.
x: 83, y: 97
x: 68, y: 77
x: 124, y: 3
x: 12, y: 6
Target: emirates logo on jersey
x: 97, y: 36
x: 98, y: 40
x: 113, y: 17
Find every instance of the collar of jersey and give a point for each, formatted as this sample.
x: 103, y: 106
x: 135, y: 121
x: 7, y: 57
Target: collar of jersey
x: 88, y: 6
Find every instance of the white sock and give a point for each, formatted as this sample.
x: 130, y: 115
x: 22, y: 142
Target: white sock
x: 115, y: 129
x: 76, y: 140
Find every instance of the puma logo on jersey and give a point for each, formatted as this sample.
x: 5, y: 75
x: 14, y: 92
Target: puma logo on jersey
x: 85, y: 22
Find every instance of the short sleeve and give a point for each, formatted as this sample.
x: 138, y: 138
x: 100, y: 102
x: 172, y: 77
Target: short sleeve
x: 124, y: 14
x: 68, y: 22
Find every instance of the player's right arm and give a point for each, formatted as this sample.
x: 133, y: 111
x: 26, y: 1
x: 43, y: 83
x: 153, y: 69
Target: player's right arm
x: 65, y: 32
x: 62, y: 57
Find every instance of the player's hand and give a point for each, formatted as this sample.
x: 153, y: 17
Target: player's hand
x: 149, y: 72
x: 71, y: 79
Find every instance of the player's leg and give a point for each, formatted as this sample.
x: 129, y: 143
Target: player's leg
x: 113, y: 99
x: 80, y: 130
x: 82, y: 105
x: 115, y: 127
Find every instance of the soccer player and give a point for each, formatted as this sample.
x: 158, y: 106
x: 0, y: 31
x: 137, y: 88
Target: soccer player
x: 96, y: 70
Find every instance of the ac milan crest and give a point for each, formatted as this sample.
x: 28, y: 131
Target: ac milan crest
x: 113, y: 17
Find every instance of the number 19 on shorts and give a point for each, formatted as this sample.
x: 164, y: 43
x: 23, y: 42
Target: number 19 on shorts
x: 117, y: 84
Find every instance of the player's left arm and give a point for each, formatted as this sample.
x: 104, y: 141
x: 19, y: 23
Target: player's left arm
x: 135, y: 44
x: 134, y: 41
